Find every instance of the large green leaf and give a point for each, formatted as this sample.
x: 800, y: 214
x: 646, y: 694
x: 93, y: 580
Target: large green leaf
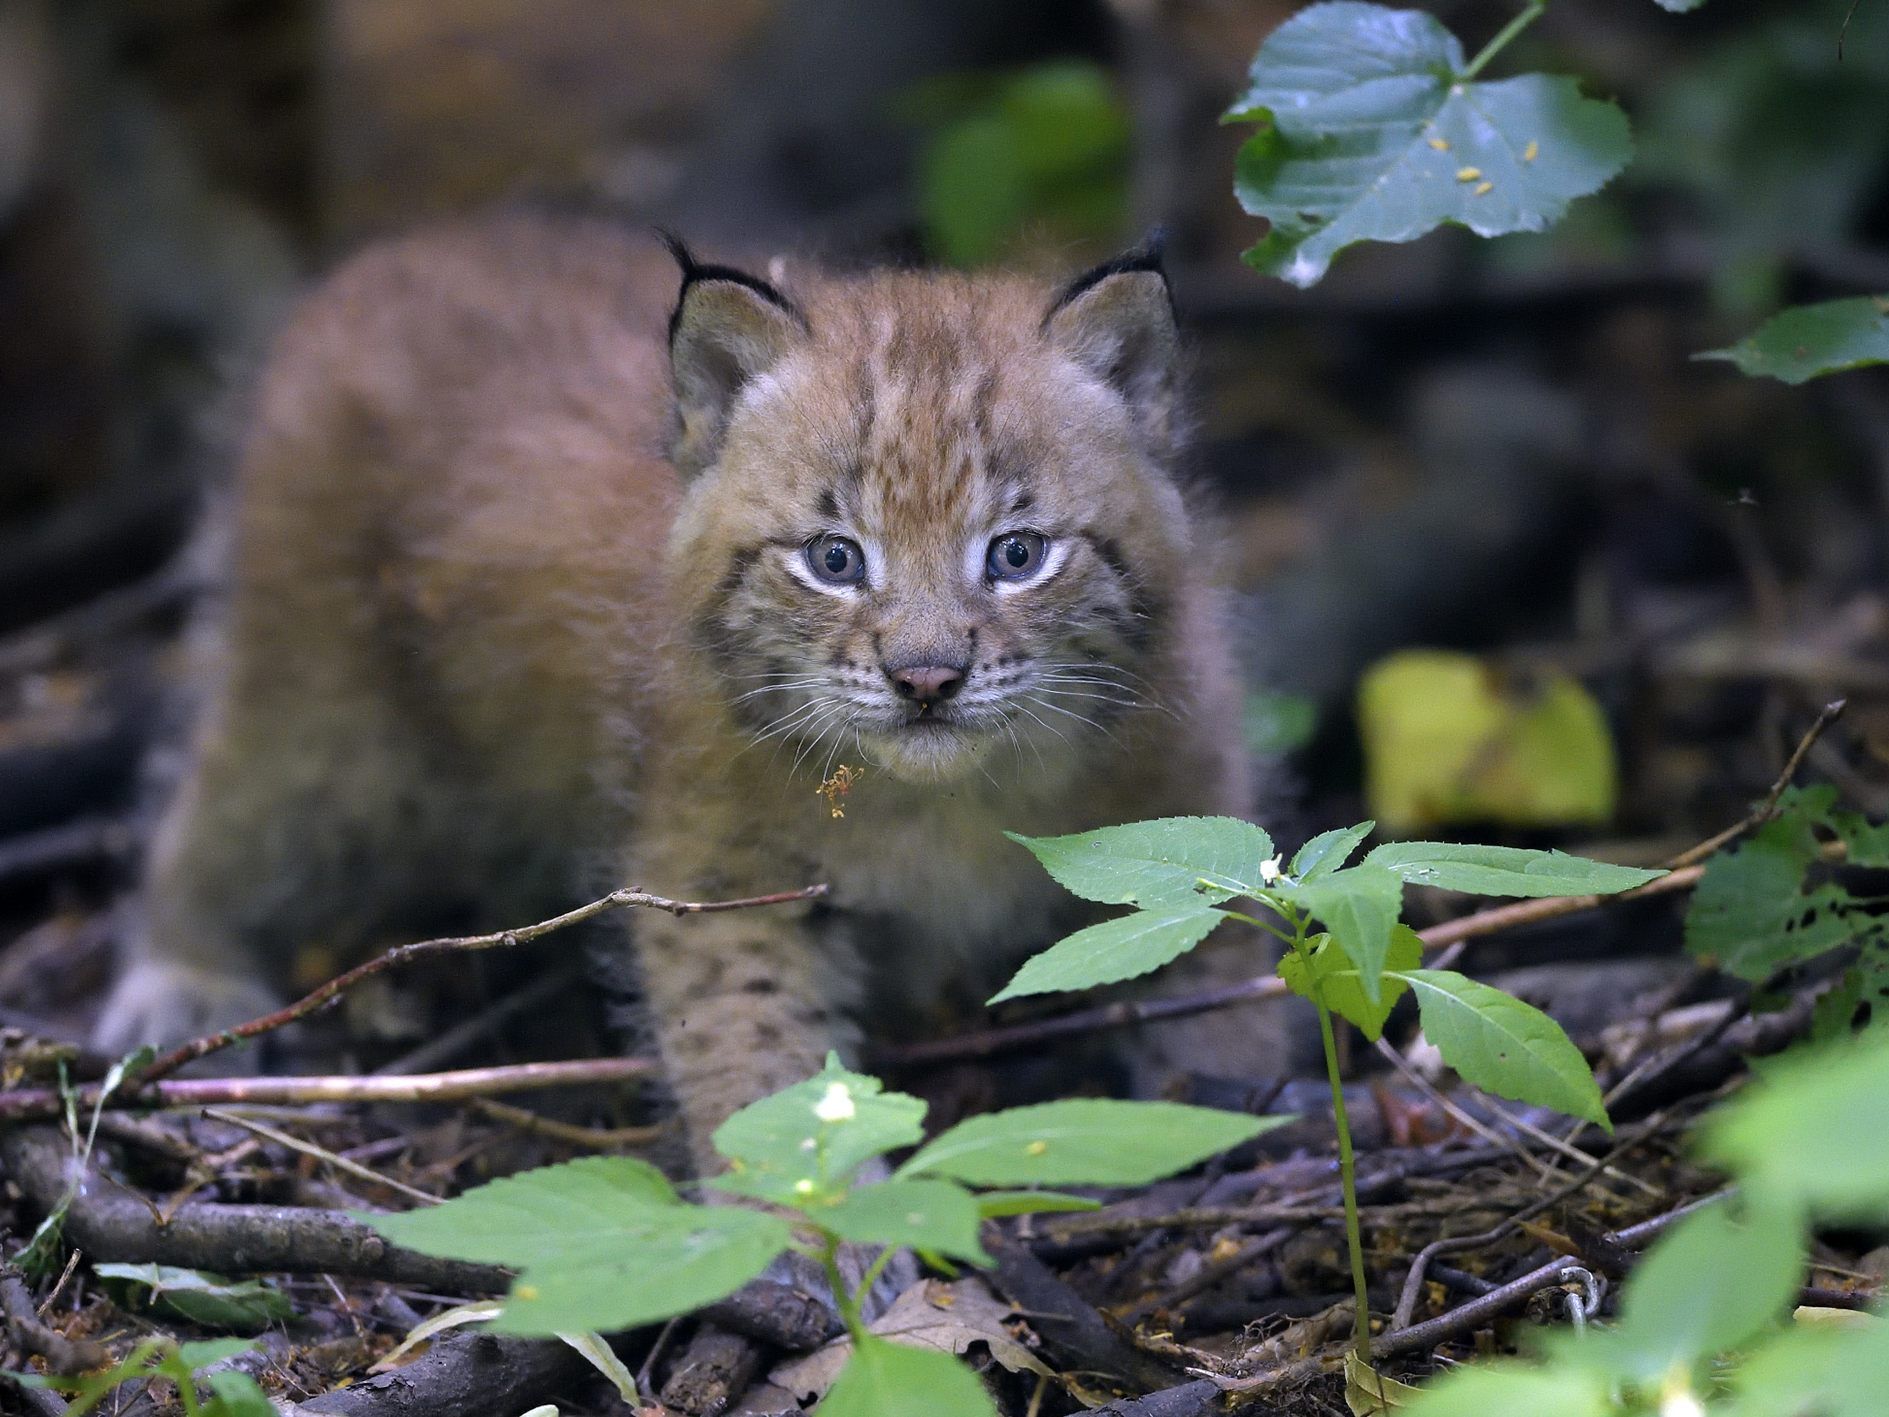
x: 207, y: 1299
x: 803, y: 1142
x: 924, y: 1214
x: 602, y: 1243
x: 1504, y: 870
x: 1359, y: 905
x: 887, y: 1379
x: 1504, y: 1046
x: 1124, y: 948
x: 1827, y: 1369
x: 1084, y: 1142
x: 1157, y: 863
x: 1752, y: 912
x: 1367, y: 133
x: 1808, y: 341
x: 1813, y: 1132
x: 1336, y: 979
x: 1707, y: 1286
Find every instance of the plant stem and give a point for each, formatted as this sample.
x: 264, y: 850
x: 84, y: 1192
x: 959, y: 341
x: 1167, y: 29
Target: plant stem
x: 1348, y: 1176
x: 847, y: 1300
x: 1347, y: 1159
x: 1501, y: 42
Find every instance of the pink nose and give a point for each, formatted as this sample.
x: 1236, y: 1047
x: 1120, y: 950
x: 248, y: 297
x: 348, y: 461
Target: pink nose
x: 926, y: 683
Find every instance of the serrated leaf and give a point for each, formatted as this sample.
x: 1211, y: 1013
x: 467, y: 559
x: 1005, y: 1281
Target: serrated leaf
x: 1083, y: 1142
x: 1450, y: 737
x: 1504, y: 1046
x: 602, y: 1243
x: 1809, y: 341
x: 1327, y: 851
x: 1367, y: 134
x: 1157, y: 863
x: 994, y: 1205
x: 1704, y: 1288
x: 806, y: 1140
x: 207, y: 1299
x: 1813, y: 1131
x: 1505, y: 870
x: 1751, y: 913
x: 1338, y: 987
x: 1124, y: 948
x: 884, y: 1378
x: 1359, y: 906
x: 939, y: 1216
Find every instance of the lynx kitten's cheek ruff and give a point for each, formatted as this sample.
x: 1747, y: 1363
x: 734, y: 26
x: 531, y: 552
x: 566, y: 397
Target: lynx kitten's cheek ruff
x: 532, y: 594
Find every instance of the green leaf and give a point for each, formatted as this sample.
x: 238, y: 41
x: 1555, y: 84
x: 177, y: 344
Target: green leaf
x: 1157, y: 863
x: 806, y: 1140
x: 1751, y: 913
x: 1123, y: 948
x: 938, y: 1216
x: 1359, y: 905
x: 1505, y: 870
x: 1452, y: 737
x: 1504, y: 1046
x: 886, y: 1378
x: 1708, y: 1285
x: 1327, y: 851
x: 602, y: 1243
x: 1366, y: 134
x: 1814, y: 1368
x: 207, y: 1299
x: 237, y: 1395
x: 1337, y: 982
x: 1084, y: 1142
x: 1813, y: 1131
x: 994, y: 1205
x: 1808, y: 341
x: 1508, y: 1389
x: 214, y: 1350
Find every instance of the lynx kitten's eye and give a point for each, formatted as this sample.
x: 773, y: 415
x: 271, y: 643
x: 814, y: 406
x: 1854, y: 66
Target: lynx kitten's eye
x: 836, y: 560
x: 1015, y: 556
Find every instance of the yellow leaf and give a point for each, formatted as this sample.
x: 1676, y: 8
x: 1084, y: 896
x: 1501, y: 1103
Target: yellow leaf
x: 1451, y: 738
x: 1368, y: 1393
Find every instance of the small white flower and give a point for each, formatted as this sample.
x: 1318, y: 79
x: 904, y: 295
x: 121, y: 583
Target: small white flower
x: 1270, y: 871
x: 1676, y: 1397
x: 837, y: 1105
x: 803, y: 1187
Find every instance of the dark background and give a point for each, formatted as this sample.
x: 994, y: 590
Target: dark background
x: 1496, y: 446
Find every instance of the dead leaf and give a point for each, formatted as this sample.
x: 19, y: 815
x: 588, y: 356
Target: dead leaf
x: 1368, y: 1393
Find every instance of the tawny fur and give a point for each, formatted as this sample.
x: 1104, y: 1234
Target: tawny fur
x: 487, y: 644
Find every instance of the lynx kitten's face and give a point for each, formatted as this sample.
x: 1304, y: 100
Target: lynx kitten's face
x: 930, y: 527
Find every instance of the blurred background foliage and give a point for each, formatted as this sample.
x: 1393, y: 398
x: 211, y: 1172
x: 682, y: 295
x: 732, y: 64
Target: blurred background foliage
x: 1499, y: 449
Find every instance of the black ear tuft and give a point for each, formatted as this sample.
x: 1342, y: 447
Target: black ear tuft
x: 1117, y: 321
x: 728, y: 327
x: 1149, y: 257
x: 694, y: 271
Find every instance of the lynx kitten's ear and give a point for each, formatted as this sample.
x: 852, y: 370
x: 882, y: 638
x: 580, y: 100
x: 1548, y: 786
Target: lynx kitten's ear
x: 1118, y: 321
x: 728, y: 327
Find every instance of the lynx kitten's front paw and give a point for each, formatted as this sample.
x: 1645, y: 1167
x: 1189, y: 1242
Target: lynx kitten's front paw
x: 159, y: 1003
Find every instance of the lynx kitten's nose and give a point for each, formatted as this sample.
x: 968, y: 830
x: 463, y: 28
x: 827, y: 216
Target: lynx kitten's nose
x: 927, y: 683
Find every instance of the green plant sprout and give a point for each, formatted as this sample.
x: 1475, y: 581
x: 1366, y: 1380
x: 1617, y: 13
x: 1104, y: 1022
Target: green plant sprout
x: 1181, y: 872
x: 233, y: 1394
x: 607, y: 1243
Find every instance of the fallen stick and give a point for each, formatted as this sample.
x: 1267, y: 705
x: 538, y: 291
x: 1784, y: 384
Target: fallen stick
x: 40, y: 1103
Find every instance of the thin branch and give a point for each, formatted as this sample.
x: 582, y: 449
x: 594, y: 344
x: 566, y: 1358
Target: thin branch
x: 30, y: 1104
x: 400, y: 955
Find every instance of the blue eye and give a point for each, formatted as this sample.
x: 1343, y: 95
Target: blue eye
x: 1014, y: 556
x: 836, y: 560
